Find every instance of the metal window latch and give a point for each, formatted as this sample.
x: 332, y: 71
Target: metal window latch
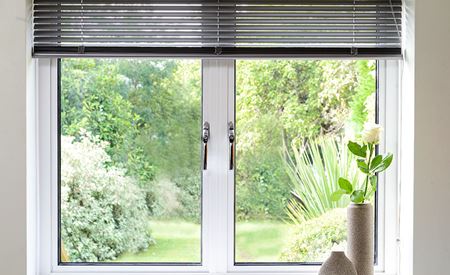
x: 231, y: 138
x: 205, y: 139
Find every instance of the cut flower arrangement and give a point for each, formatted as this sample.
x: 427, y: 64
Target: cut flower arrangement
x: 369, y: 162
x: 360, y: 214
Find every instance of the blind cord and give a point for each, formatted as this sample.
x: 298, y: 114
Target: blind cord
x: 395, y: 18
x: 81, y: 48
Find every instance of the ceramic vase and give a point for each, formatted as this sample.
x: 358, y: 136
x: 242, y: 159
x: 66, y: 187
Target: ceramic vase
x: 360, y: 237
x: 337, y: 264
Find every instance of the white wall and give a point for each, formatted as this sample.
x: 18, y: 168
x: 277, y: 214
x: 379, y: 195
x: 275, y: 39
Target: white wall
x: 426, y: 178
x: 432, y: 132
x: 13, y: 83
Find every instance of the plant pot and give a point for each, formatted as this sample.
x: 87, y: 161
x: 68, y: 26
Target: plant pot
x: 337, y: 264
x: 360, y: 237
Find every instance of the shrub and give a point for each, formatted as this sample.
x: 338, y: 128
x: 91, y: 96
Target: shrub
x: 189, y: 196
x: 262, y: 191
x: 103, y: 212
x: 314, y: 171
x: 313, y: 239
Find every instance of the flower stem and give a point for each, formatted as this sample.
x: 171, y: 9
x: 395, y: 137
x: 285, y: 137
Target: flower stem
x: 366, y: 181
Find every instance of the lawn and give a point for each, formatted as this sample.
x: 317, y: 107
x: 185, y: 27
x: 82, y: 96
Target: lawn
x: 179, y: 241
x: 175, y: 241
x: 261, y: 241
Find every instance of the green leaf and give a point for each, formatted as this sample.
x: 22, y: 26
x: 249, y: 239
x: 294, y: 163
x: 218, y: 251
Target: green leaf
x: 364, y: 149
x: 373, y: 182
x: 385, y: 163
x: 356, y: 149
x: 357, y: 196
x: 345, y: 185
x: 387, y: 160
x: 376, y: 161
x: 337, y: 195
x: 362, y: 165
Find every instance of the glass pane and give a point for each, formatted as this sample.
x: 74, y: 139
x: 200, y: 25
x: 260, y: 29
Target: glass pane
x: 130, y: 179
x: 293, y: 120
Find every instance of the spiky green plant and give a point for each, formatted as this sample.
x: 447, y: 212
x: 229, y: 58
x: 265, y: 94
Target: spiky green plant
x: 314, y: 170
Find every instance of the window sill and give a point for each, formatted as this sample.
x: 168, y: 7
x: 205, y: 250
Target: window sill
x: 206, y: 273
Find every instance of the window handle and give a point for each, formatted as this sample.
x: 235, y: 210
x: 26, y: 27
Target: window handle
x: 205, y: 139
x: 231, y: 138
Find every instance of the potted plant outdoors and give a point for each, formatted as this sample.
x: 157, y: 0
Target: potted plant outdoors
x: 360, y: 221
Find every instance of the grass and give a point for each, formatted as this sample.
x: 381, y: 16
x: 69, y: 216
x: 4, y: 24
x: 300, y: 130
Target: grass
x: 176, y: 241
x: 261, y: 241
x: 179, y: 241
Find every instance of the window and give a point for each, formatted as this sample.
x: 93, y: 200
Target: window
x: 293, y: 120
x: 129, y: 182
x: 129, y: 185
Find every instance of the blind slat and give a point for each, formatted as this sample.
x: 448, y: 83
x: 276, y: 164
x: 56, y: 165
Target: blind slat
x: 173, y: 24
x: 328, y: 21
x: 343, y: 25
x: 230, y: 30
x: 221, y: 3
x: 198, y: 9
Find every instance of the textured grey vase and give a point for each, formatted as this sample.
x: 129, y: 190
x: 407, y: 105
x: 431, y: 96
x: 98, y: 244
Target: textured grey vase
x: 337, y: 264
x: 360, y: 237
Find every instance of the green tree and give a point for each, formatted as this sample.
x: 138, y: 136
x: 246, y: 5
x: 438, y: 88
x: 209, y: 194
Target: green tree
x: 167, y: 97
x: 149, y: 111
x: 91, y: 99
x: 290, y: 102
x: 364, y: 94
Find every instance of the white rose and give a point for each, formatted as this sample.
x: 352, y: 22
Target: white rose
x: 372, y: 133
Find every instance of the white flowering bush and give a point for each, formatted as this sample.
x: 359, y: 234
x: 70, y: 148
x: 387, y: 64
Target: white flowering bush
x: 103, y: 212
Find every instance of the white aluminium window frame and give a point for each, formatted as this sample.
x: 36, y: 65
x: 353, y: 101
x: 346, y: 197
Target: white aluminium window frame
x: 218, y: 78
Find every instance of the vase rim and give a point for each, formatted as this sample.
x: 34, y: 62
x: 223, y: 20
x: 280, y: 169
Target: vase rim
x: 360, y: 204
x: 337, y: 252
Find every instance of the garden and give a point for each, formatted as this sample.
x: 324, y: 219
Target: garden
x: 131, y: 179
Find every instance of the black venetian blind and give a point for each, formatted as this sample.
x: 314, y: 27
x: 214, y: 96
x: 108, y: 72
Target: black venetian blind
x: 217, y: 28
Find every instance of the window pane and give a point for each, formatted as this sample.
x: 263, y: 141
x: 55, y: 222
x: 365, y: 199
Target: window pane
x: 130, y: 181
x: 293, y: 120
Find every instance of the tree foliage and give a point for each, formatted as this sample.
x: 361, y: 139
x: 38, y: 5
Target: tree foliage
x: 149, y: 112
x: 146, y: 115
x: 291, y: 102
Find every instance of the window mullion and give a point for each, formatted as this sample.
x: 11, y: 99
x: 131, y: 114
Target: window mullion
x: 218, y: 82
x: 231, y: 117
x: 389, y: 78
